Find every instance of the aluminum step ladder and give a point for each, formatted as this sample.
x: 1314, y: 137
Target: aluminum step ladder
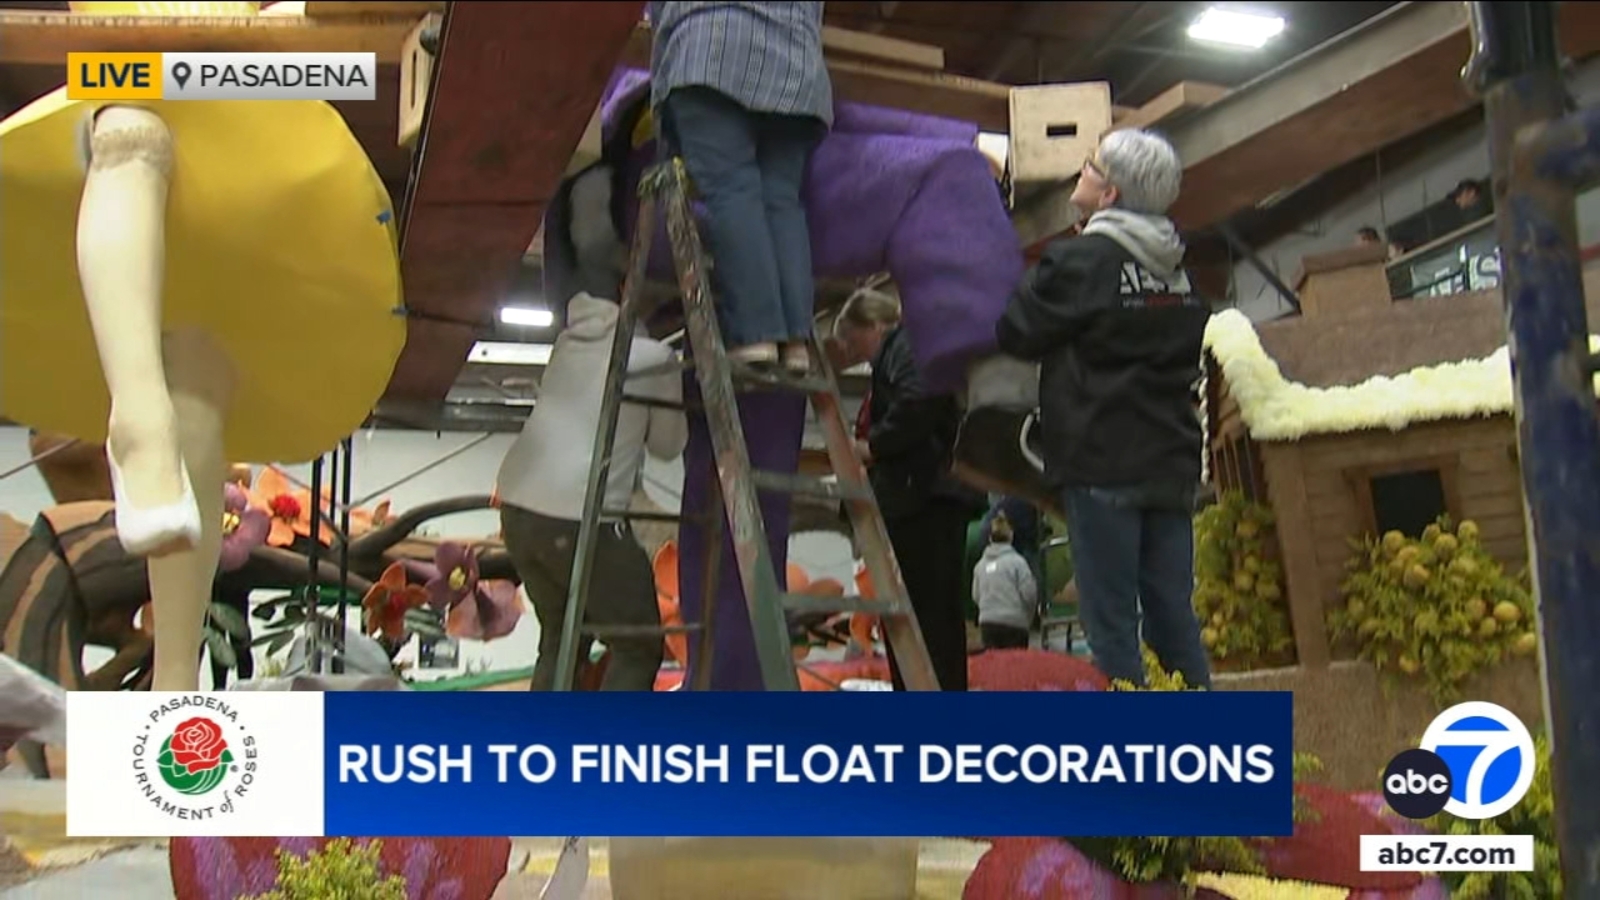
x: 736, y: 484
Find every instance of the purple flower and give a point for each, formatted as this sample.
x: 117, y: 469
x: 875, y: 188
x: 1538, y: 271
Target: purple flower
x: 491, y: 612
x: 244, y: 527
x: 457, y: 576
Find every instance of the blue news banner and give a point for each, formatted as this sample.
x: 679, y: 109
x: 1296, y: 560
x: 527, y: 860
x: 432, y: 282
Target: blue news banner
x: 808, y: 764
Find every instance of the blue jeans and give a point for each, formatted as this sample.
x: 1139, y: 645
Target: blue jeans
x: 1131, y: 557
x: 748, y: 169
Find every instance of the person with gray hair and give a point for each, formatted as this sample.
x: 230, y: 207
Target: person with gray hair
x: 1117, y: 327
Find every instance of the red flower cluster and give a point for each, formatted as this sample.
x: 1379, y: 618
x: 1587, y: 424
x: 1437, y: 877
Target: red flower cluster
x: 284, y: 506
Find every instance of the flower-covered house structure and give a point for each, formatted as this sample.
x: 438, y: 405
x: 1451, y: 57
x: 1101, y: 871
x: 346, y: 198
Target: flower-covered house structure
x: 1364, y: 415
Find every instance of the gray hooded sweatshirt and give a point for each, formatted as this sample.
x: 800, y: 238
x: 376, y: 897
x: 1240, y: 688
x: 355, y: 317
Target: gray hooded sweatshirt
x: 1003, y: 585
x: 1153, y: 240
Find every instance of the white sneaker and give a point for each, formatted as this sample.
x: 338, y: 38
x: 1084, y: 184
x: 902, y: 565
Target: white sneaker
x: 762, y: 354
x: 159, y: 530
x: 797, y: 359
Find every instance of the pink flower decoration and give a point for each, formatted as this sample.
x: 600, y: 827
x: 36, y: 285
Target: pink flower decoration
x: 491, y: 612
x: 244, y: 527
x: 213, y: 868
x: 456, y: 577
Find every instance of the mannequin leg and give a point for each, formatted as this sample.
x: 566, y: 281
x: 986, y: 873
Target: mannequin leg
x: 201, y: 379
x: 121, y: 254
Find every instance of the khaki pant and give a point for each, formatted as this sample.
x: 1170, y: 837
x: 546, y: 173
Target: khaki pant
x: 621, y: 592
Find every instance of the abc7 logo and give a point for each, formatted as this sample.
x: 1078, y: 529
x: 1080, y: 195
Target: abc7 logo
x: 1476, y: 762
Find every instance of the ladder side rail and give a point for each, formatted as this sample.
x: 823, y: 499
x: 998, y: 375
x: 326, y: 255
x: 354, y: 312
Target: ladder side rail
x: 704, y: 657
x: 763, y: 596
x: 902, y: 630
x: 604, y: 442
x: 1540, y: 153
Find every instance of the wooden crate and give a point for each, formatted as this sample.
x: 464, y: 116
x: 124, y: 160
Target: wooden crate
x: 416, y: 74
x: 1054, y: 128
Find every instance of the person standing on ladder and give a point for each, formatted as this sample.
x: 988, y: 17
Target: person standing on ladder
x: 743, y: 96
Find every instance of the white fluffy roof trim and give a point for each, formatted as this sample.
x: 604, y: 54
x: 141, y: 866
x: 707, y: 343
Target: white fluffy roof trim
x: 1276, y: 409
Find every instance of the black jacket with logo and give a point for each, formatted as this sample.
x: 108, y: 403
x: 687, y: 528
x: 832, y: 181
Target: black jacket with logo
x: 912, y: 436
x: 1120, y: 357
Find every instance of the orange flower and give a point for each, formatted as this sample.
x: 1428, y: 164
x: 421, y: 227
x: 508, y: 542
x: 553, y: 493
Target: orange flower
x: 290, y: 509
x: 384, y: 607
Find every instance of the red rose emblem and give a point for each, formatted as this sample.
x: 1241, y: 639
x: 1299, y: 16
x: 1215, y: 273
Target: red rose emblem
x: 197, y: 745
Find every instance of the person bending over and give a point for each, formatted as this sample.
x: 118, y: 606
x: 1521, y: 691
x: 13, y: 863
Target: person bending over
x: 1117, y: 326
x: 910, y: 436
x: 743, y: 96
x: 1004, y: 586
x: 545, y: 475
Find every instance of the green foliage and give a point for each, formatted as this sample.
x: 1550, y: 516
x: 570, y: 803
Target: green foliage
x: 1155, y: 677
x: 1535, y: 815
x: 1436, y: 610
x: 1057, y: 560
x: 1238, y: 593
x: 1178, y: 859
x: 340, y: 871
x: 222, y: 626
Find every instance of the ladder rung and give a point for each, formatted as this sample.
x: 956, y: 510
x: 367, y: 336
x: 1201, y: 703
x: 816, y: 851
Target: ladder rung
x: 671, y: 367
x: 641, y: 515
x: 813, y: 603
x: 807, y: 486
x: 653, y: 402
x: 777, y: 378
x: 615, y: 631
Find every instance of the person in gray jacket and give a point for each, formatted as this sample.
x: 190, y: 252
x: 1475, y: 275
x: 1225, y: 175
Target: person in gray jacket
x: 743, y: 95
x: 1005, y: 589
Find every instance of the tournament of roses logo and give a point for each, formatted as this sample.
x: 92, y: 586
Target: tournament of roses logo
x: 195, y: 757
x: 194, y: 760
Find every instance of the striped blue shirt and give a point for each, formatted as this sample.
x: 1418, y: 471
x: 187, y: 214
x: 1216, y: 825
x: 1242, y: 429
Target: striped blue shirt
x: 766, y: 56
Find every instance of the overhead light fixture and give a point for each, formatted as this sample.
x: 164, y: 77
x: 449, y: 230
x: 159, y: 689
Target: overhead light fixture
x: 527, y: 315
x: 1236, y: 28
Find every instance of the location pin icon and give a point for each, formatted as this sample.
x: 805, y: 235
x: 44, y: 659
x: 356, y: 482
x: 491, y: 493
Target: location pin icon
x: 180, y: 73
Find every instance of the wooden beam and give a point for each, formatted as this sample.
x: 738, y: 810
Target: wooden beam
x: 515, y: 87
x: 984, y: 103
x: 44, y: 38
x: 1183, y: 97
x: 1389, y: 78
x: 843, y: 42
x: 890, y: 83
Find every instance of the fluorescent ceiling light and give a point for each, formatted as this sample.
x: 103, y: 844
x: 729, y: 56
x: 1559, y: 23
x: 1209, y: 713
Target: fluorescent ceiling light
x: 510, y: 353
x: 1238, y: 29
x: 527, y: 315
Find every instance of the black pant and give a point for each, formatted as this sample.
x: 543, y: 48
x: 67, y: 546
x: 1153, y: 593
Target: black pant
x: 1003, y: 637
x: 621, y: 592
x: 929, y: 546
